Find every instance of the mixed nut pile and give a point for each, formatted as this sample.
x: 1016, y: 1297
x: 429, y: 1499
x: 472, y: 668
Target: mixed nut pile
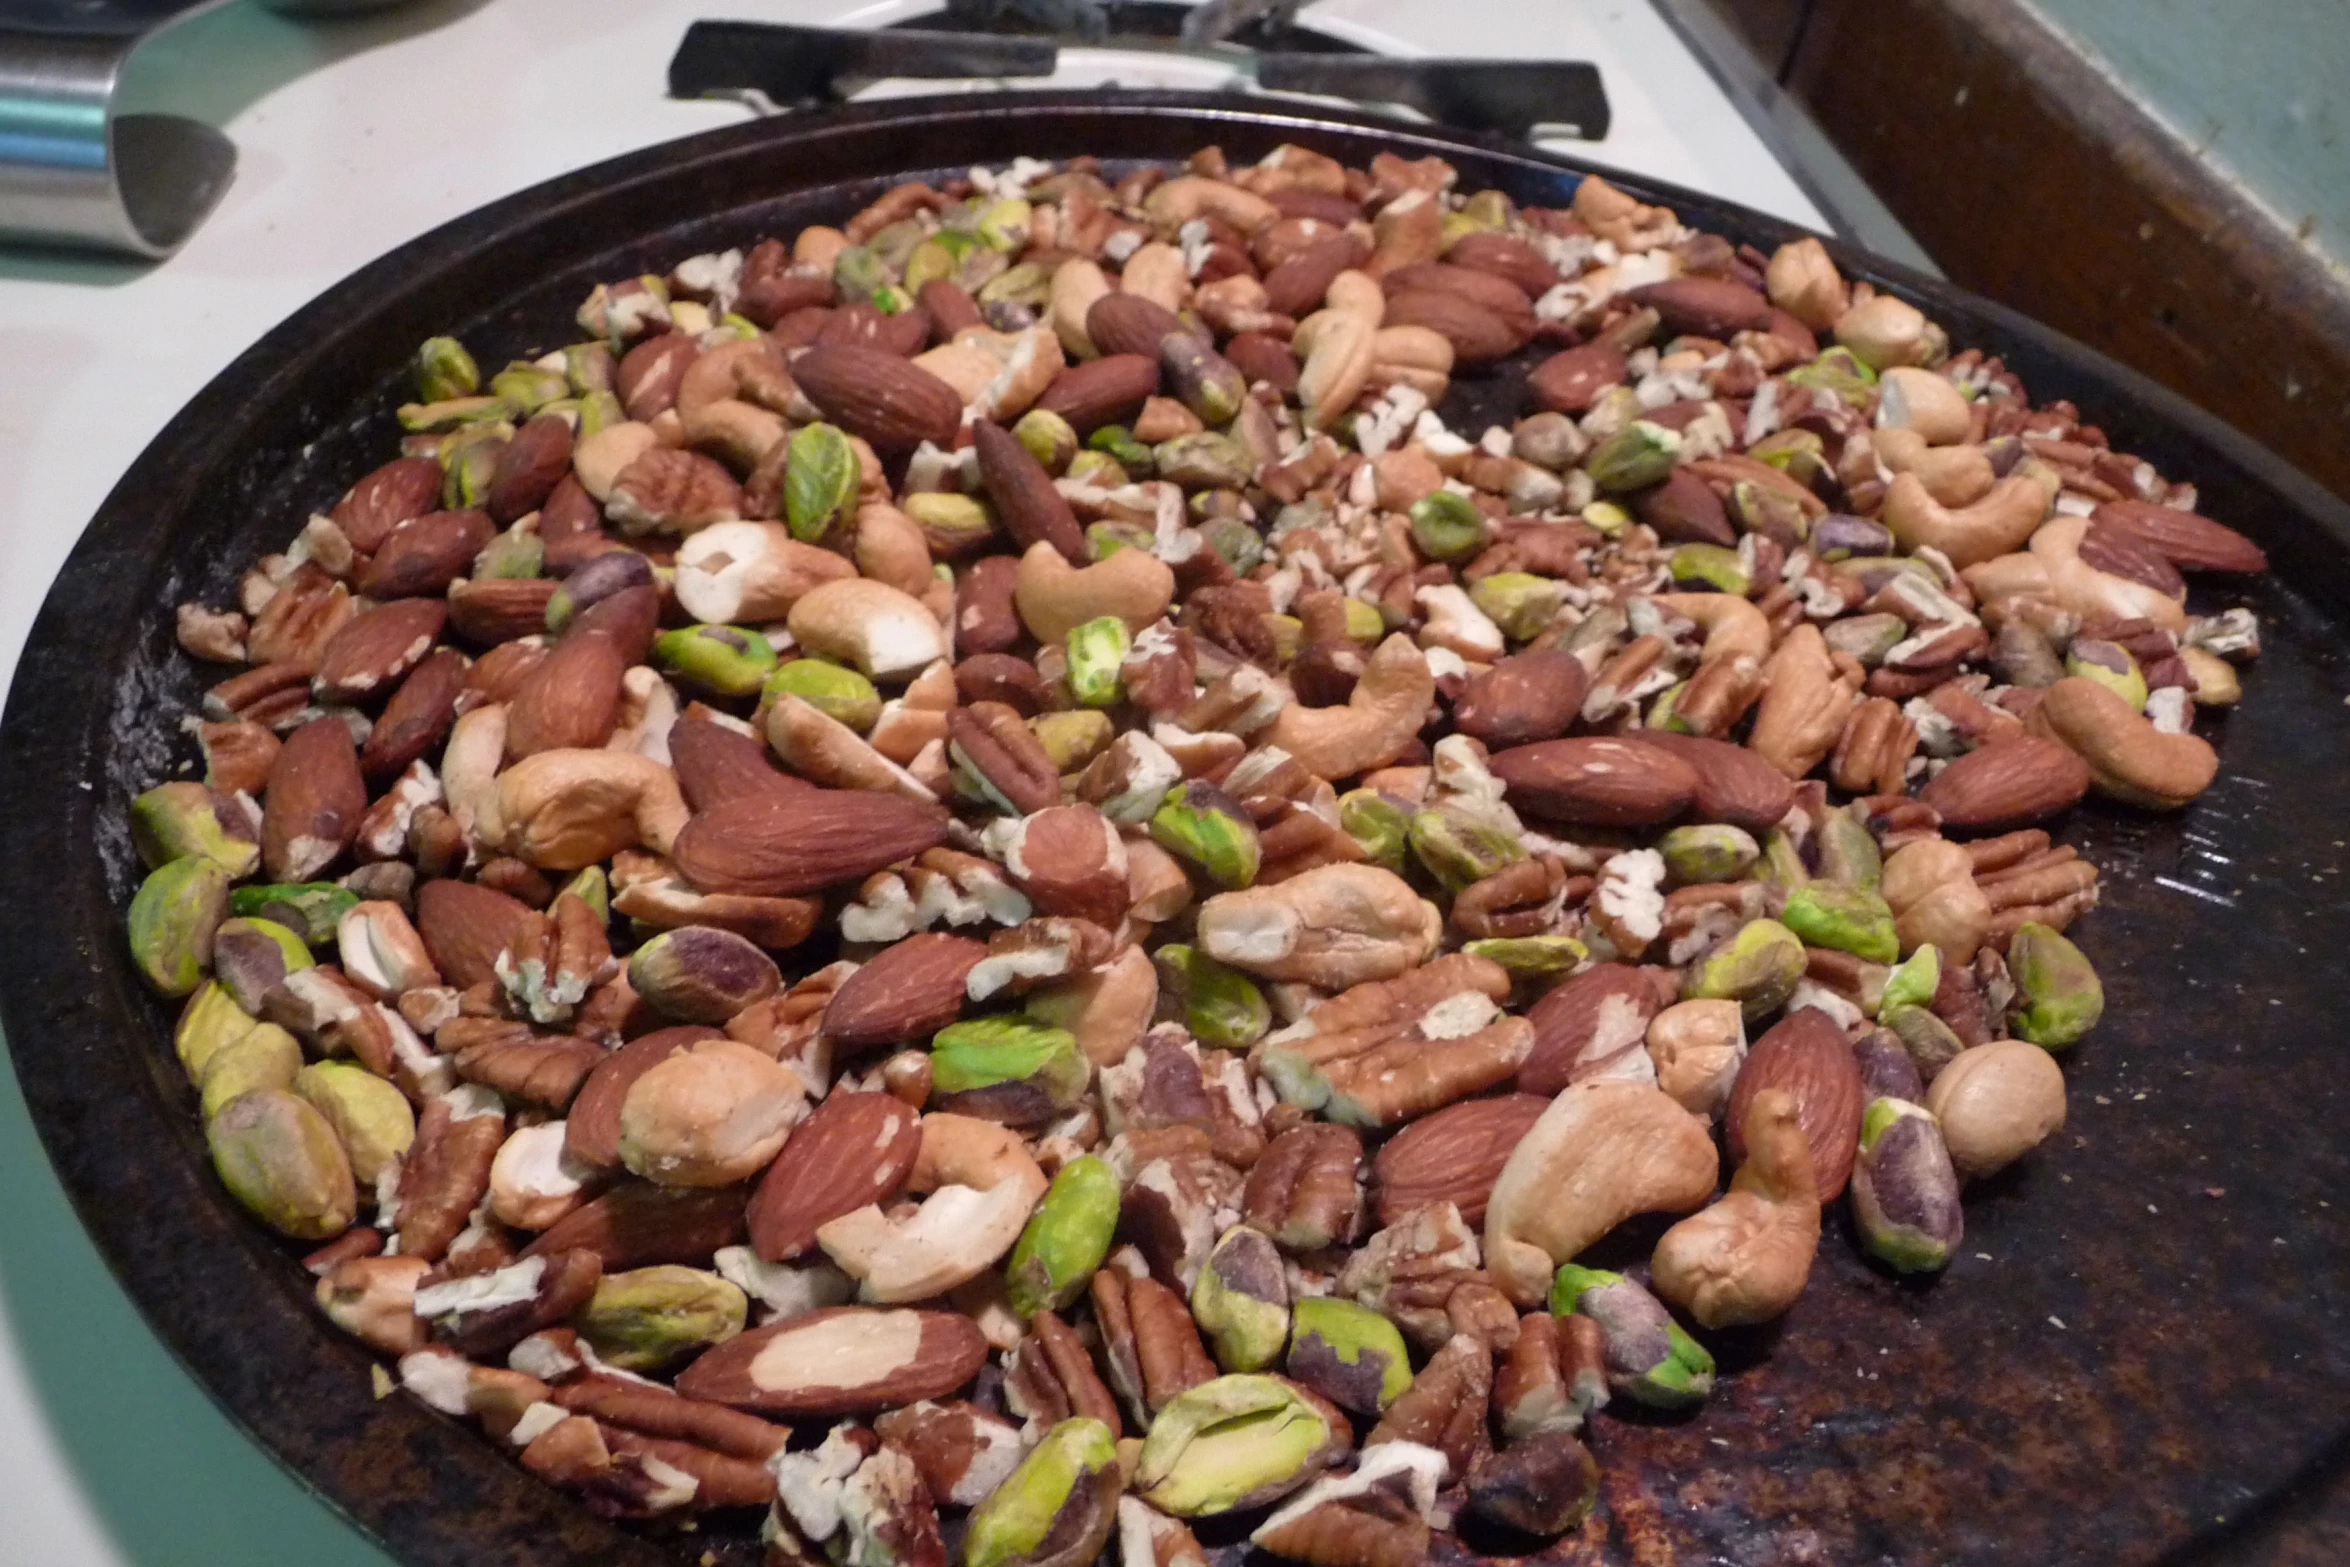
x: 967, y: 879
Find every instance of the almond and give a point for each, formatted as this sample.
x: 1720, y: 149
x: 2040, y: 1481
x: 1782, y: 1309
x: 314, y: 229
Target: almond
x: 570, y: 702
x: 1505, y: 256
x: 866, y: 325
x: 892, y: 402
x: 855, y: 1149
x: 1522, y: 699
x: 486, y: 611
x: 1587, y: 1027
x: 1070, y: 860
x: 1572, y: 379
x: 1805, y: 1054
x: 1261, y: 356
x: 425, y: 554
x: 1683, y: 509
x: 465, y: 926
x: 841, y: 1360
x: 1713, y: 307
x: 2120, y: 552
x: 776, y: 845
x: 1030, y: 508
x: 1497, y: 294
x: 313, y: 802
x: 714, y: 764
x: 1734, y: 785
x: 1296, y: 286
x: 640, y: 1225
x: 376, y: 647
x: 1130, y: 324
x: 418, y: 716
x: 403, y: 488
x: 529, y: 468
x: 1597, y: 782
x: 2007, y: 784
x: 1454, y: 1155
x: 902, y: 996
x: 1477, y: 335
x: 2186, y: 539
x: 1109, y: 390
x: 591, y: 1131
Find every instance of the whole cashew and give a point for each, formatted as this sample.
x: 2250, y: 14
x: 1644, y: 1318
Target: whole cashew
x: 884, y: 631
x: 1746, y: 1258
x: 1804, y: 282
x: 1884, y: 332
x: 1608, y: 1148
x: 2085, y: 591
x: 1075, y: 286
x: 1156, y: 272
x: 1952, y: 475
x: 1054, y: 597
x: 1912, y: 399
x: 1930, y: 886
x: 2129, y: 759
x: 892, y: 548
x: 1999, y: 522
x: 982, y: 1185
x: 733, y: 573
x: 469, y: 772
x: 1733, y: 627
x: 1376, y: 725
x: 1176, y: 202
x: 824, y: 750
x: 562, y: 810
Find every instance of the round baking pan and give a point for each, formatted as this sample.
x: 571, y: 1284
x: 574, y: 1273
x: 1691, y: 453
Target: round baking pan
x: 2138, y: 1356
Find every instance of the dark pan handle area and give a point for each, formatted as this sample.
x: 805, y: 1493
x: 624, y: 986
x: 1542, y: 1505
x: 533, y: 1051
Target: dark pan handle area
x: 2204, y: 1366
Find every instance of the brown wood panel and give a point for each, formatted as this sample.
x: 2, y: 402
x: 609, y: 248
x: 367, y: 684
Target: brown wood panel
x: 2030, y: 178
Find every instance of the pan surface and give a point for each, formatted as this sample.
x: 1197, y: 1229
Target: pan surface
x: 2139, y: 1355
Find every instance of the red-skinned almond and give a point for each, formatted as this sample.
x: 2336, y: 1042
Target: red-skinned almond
x: 841, y: 1360
x: 1805, y: 1054
x: 854, y: 1150
x: 774, y: 846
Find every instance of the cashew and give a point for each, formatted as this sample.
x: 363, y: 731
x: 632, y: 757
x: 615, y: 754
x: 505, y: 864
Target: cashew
x: 1746, y: 1258
x: 1076, y: 284
x: 1378, y: 723
x: 1337, y: 366
x: 564, y: 810
x: 600, y: 458
x: 531, y: 1183
x: 1054, y: 597
x: 1607, y: 1148
x: 1996, y: 1102
x: 1357, y: 293
x: 1999, y: 522
x: 1407, y: 231
x: 1621, y: 219
x: 1333, y: 926
x: 748, y: 572
x: 982, y: 1185
x: 1930, y: 886
x: 1176, y: 202
x: 710, y: 1115
x: 1733, y: 626
x: 748, y: 369
x: 1912, y: 399
x: 1450, y: 619
x: 2087, y: 592
x: 891, y: 547
x: 1804, y: 282
x: 885, y: 632
x: 2129, y: 759
x: 1883, y: 332
x: 469, y: 770
x: 1107, y: 1009
x: 1156, y: 272
x: 824, y: 750
x: 1804, y: 704
x: 997, y: 374
x: 819, y: 245
x: 1952, y: 475
x: 1697, y: 1047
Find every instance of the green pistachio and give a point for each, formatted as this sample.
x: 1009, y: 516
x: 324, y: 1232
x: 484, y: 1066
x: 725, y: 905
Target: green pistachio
x: 1208, y: 460
x: 1004, y: 223
x: 1913, y: 984
x: 1758, y: 968
x: 1348, y: 1353
x: 1520, y: 603
x: 1232, y: 1442
x: 1057, y: 1509
x: 1073, y: 738
x: 209, y: 1024
x: 1904, y: 1190
x: 1847, y: 852
x: 1931, y: 1043
x: 2111, y: 666
x: 1606, y: 518
x: 513, y: 554
x: 1107, y: 537
x: 1364, y: 623
x: 834, y: 690
x: 1650, y: 1360
x: 1704, y: 566
x: 1838, y: 372
x: 648, y: 1318
x: 1028, y: 283
x: 1289, y: 637
x: 1847, y: 919
x: 588, y: 368
x: 266, y: 1057
x: 929, y: 262
x: 857, y: 272
x: 696, y: 974
x: 1221, y: 1006
x: 1240, y: 545
x: 1205, y: 827
x: 1100, y: 470
x: 1241, y: 1300
x: 820, y: 478
x: 1634, y: 457
x: 1530, y: 957
x: 445, y: 370
x: 719, y: 660
x: 1769, y: 511
x: 955, y: 525
x: 593, y: 888
x: 1379, y: 824
x: 1097, y: 652
x: 1868, y: 638
x: 1203, y: 380
x: 372, y: 1118
x: 891, y: 298
x: 1459, y: 849
x: 1006, y: 1069
x: 281, y: 1159
x: 1800, y: 454
x: 451, y: 414
x: 173, y: 918
x: 252, y: 956
x: 1066, y: 1238
x: 469, y: 461
x: 184, y: 818
x: 1050, y: 439
x: 1491, y: 210
x: 599, y: 411
x: 1447, y: 526
x: 528, y: 387
x: 2058, y: 996
x: 1695, y: 856
x: 1781, y: 865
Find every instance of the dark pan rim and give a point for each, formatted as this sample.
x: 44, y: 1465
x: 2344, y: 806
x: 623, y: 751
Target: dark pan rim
x: 171, y: 1237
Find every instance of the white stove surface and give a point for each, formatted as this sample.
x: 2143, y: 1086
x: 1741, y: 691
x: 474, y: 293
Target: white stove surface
x: 352, y: 138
